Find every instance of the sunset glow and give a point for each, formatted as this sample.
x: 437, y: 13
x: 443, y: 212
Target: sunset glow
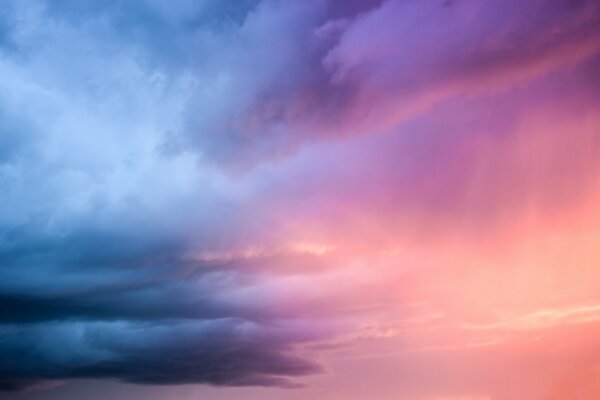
x: 300, y: 199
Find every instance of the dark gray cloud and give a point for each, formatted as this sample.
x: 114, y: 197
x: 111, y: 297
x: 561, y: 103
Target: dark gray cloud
x: 129, y: 305
x: 229, y: 352
x: 102, y: 236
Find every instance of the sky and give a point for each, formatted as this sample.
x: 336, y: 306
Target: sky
x: 300, y: 199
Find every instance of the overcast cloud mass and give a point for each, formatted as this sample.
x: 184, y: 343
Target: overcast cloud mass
x: 294, y: 194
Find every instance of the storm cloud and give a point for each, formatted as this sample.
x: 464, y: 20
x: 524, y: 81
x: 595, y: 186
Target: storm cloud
x: 195, y: 191
x: 103, y: 226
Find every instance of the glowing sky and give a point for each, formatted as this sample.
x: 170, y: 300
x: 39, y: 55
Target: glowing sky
x: 300, y: 199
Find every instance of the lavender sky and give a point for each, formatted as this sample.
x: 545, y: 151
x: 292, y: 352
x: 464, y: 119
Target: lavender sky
x: 300, y: 199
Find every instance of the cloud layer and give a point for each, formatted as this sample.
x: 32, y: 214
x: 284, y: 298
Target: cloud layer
x: 244, y: 193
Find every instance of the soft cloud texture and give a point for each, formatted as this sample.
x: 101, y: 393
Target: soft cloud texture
x: 379, y: 198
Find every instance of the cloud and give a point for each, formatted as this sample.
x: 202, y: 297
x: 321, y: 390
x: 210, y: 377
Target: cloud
x: 96, y: 222
x: 224, y: 352
x: 124, y: 306
x: 470, y: 167
x: 179, y: 183
x: 328, y: 72
x: 327, y: 76
x: 406, y: 57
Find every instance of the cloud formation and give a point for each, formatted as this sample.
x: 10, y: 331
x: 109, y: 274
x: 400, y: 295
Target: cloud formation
x: 214, y: 192
x: 98, y: 224
x: 224, y: 352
